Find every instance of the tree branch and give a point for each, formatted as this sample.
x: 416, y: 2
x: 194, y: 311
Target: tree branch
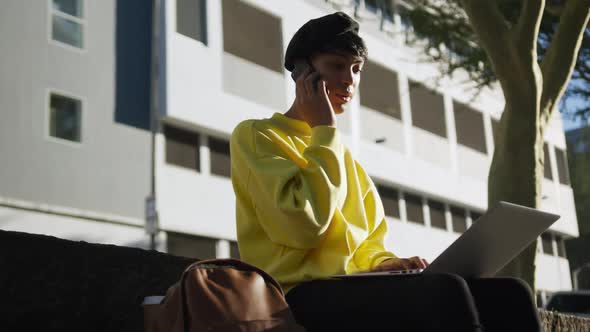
x: 555, y: 9
x: 493, y: 32
x: 527, y: 28
x: 560, y: 59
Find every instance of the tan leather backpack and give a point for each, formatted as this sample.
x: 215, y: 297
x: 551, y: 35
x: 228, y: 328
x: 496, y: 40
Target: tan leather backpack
x: 222, y: 295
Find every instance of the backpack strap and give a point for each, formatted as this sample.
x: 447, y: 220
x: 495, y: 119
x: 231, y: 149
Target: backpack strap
x: 236, y: 264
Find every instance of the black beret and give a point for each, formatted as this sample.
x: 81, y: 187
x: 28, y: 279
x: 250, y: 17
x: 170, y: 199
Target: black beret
x: 315, y: 33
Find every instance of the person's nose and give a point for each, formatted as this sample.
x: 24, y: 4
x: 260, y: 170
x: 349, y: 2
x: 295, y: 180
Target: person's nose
x: 348, y: 78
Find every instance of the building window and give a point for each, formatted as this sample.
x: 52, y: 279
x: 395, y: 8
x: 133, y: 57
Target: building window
x: 220, y: 159
x: 379, y: 90
x: 67, y: 22
x: 428, y: 110
x: 414, y: 209
x: 459, y: 220
x: 192, y: 246
x: 470, y: 130
x: 182, y: 148
x: 547, y: 243
x: 252, y: 34
x: 547, y: 164
x: 234, y: 250
x: 560, y: 246
x: 437, y: 215
x: 562, y: 170
x: 65, y: 118
x: 390, y: 200
x: 191, y: 19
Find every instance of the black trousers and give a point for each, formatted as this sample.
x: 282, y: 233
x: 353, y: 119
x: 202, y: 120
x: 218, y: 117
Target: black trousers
x: 436, y: 302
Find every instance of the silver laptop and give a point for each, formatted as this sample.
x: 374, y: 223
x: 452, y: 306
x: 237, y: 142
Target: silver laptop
x: 488, y: 245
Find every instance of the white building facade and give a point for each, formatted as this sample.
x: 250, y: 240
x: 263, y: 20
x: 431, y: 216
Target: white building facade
x: 422, y: 138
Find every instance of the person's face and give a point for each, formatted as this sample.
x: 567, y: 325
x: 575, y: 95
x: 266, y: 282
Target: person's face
x: 342, y: 74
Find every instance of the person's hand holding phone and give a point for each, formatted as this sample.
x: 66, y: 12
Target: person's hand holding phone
x: 311, y: 97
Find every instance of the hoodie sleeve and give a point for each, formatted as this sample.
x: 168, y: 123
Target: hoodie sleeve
x: 372, y: 251
x: 294, y: 195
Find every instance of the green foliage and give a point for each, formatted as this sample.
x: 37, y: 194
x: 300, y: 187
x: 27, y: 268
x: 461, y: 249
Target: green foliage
x: 442, y: 29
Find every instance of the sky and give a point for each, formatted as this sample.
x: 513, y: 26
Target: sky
x: 573, y: 103
x: 569, y: 124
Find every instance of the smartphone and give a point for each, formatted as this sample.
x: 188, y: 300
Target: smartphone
x: 300, y: 67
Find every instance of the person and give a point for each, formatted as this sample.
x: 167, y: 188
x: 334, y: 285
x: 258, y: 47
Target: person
x: 307, y: 210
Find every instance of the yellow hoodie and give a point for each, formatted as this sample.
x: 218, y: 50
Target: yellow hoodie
x: 305, y: 209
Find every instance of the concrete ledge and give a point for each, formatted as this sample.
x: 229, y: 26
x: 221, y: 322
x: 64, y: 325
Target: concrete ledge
x: 50, y: 284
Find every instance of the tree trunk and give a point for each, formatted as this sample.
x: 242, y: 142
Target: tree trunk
x: 531, y: 91
x: 517, y: 170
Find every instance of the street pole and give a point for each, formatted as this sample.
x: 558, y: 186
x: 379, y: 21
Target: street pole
x: 151, y: 207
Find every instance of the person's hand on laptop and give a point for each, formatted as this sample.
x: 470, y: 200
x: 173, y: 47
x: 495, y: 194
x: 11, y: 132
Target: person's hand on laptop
x: 399, y: 264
